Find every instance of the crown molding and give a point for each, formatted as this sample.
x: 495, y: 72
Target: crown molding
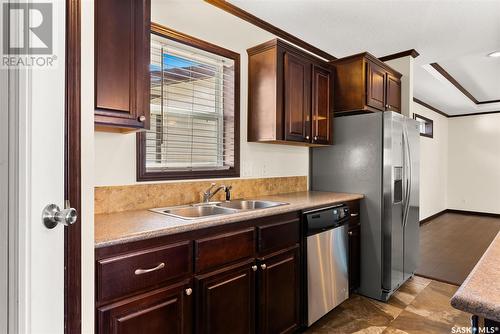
x: 412, y: 52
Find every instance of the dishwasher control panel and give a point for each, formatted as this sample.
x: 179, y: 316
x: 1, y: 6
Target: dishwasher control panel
x: 325, y: 219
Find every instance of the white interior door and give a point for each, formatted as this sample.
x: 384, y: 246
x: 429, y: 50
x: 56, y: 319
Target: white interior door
x: 41, y: 175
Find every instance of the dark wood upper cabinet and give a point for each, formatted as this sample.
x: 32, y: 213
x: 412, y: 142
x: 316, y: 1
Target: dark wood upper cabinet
x: 226, y: 300
x: 289, y: 96
x: 393, y: 93
x: 167, y: 310
x: 279, y: 292
x: 375, y: 86
x: 122, y: 57
x: 297, y: 80
x: 362, y: 83
x: 322, y: 106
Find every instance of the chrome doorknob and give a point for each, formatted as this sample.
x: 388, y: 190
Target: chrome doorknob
x: 189, y: 291
x: 254, y: 268
x: 263, y: 266
x: 53, y: 215
x: 142, y: 118
x: 307, y: 137
x: 315, y: 137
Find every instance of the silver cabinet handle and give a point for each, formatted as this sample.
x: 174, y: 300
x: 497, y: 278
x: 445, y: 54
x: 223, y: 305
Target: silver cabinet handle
x: 189, y: 291
x: 254, y: 268
x: 145, y: 271
x: 350, y: 232
x: 315, y: 137
x: 263, y: 266
x: 307, y: 137
x: 53, y: 215
x: 142, y: 118
x: 354, y: 214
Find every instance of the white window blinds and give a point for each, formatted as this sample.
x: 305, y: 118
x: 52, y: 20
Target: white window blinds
x: 192, y: 109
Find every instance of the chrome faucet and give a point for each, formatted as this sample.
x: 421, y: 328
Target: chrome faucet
x: 208, y: 194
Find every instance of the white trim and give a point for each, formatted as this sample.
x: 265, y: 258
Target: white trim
x: 24, y: 201
x: 4, y: 202
x: 19, y: 153
x: 12, y: 300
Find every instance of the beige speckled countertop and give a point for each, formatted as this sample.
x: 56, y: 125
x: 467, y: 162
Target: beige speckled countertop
x: 120, y: 227
x: 480, y: 292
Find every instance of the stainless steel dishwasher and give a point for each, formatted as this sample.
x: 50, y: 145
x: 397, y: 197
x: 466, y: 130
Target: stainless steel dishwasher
x: 327, y: 260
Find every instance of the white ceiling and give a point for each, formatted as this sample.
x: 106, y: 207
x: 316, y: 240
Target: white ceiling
x: 456, y: 34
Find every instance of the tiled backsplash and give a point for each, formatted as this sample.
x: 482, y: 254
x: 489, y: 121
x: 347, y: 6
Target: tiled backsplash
x: 146, y: 196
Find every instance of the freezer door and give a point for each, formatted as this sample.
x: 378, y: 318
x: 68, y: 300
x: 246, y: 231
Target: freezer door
x: 411, y: 223
x: 393, y: 203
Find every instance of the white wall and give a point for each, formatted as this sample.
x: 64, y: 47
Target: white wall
x: 115, y: 153
x: 433, y: 164
x: 474, y: 163
x: 460, y: 166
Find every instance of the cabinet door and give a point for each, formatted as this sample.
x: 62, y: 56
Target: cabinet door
x: 162, y: 311
x: 354, y: 257
x: 122, y: 56
x: 393, y: 93
x: 297, y: 96
x: 226, y: 300
x: 322, y: 106
x: 279, y: 292
x: 375, y: 86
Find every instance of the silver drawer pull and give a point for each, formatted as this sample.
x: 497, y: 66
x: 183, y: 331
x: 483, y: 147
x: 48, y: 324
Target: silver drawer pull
x: 354, y: 214
x: 145, y: 271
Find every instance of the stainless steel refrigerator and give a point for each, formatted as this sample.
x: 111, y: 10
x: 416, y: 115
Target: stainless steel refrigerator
x: 377, y: 154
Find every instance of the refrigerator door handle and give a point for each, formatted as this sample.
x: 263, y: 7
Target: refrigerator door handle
x: 405, y: 179
x: 408, y: 176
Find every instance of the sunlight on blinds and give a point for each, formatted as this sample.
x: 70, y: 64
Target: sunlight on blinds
x: 192, y: 109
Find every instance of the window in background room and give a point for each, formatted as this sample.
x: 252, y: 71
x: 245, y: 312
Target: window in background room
x: 426, y: 125
x: 194, y: 110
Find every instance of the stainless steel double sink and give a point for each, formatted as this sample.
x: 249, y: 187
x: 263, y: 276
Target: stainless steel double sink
x: 201, y: 210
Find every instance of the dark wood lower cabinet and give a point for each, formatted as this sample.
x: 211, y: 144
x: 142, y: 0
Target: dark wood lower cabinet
x: 167, y: 310
x: 226, y: 300
x: 279, y: 292
x: 241, y: 280
x: 354, y: 257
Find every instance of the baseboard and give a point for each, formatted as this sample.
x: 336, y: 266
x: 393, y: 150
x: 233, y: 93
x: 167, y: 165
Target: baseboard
x: 474, y: 213
x: 428, y: 219
x: 462, y: 212
x: 438, y: 279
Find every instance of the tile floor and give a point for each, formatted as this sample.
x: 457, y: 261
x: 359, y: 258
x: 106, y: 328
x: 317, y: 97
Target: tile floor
x: 420, y: 306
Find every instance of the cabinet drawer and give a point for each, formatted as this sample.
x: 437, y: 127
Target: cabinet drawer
x: 218, y: 250
x: 277, y: 236
x: 121, y: 275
